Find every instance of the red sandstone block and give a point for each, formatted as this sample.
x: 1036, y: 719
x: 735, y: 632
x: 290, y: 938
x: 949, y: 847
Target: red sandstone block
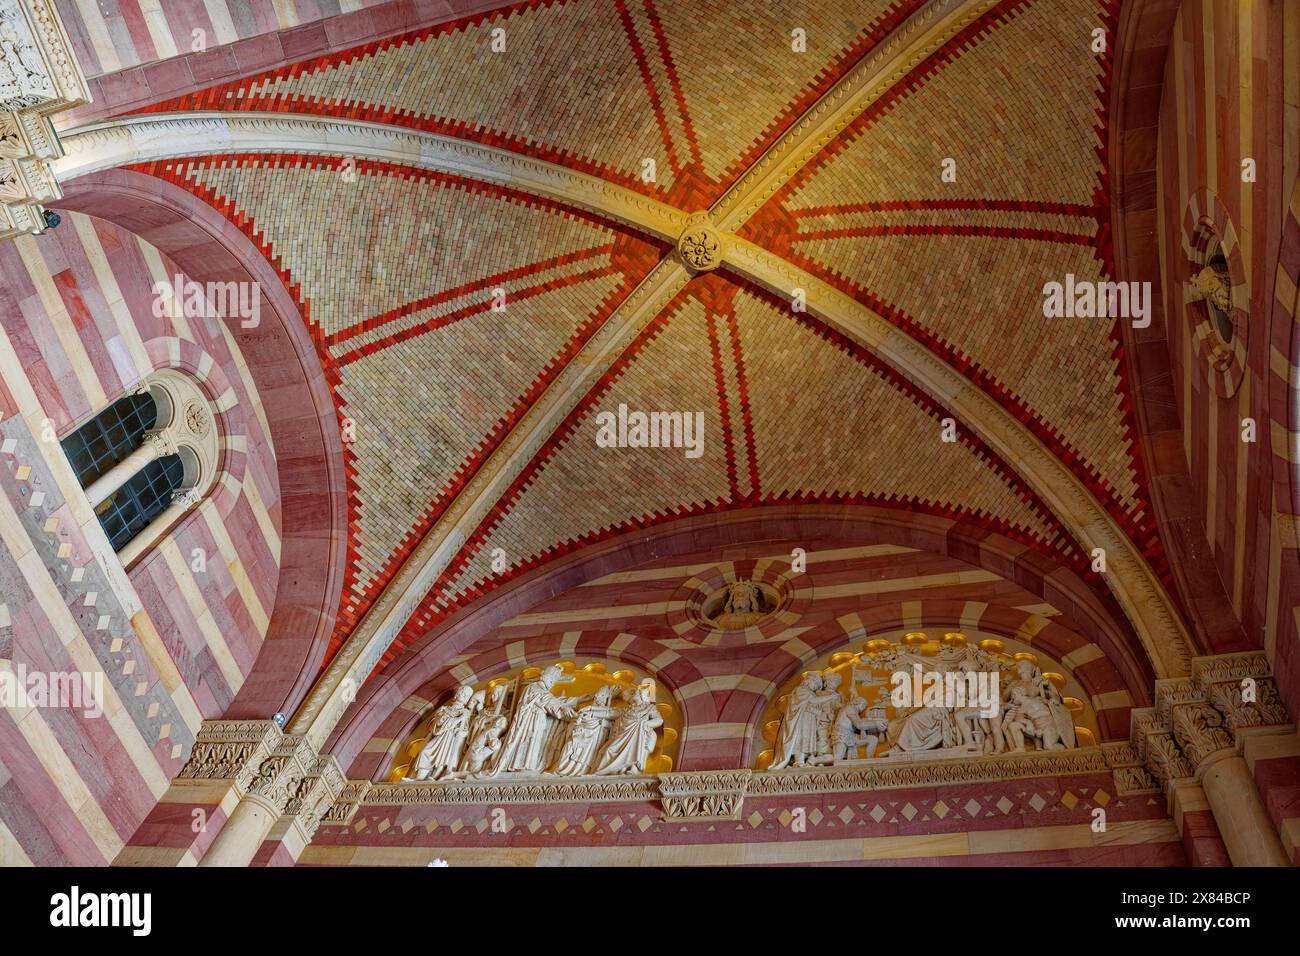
x: 258, y: 52
x: 216, y: 64
x: 168, y: 76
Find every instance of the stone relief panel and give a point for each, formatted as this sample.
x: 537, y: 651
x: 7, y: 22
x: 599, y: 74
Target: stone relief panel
x: 924, y: 698
x: 563, y: 720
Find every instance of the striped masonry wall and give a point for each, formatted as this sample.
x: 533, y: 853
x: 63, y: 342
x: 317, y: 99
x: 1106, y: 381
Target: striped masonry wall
x: 173, y: 636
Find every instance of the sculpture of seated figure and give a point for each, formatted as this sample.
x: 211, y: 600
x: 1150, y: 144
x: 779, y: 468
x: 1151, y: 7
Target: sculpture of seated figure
x: 1030, y: 716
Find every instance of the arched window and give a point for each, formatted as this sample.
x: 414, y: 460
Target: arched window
x: 145, y: 459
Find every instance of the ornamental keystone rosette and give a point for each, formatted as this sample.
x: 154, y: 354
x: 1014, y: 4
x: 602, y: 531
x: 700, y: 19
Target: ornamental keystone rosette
x: 700, y: 244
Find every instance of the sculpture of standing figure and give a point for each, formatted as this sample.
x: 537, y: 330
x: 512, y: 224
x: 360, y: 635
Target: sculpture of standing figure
x: 536, y: 713
x: 447, y: 735
x: 485, y: 731
x: 585, y: 733
x: 633, y: 737
x: 829, y: 708
x: 797, y: 739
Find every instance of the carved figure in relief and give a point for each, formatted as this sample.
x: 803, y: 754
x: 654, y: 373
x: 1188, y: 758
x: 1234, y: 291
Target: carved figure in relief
x: 830, y: 706
x: 1037, y: 686
x: 925, y: 728
x: 536, y: 718
x: 1212, y: 284
x: 852, y: 729
x: 1030, y: 716
x: 485, y: 730
x: 633, y: 737
x: 441, y: 754
x: 585, y: 732
x: 797, y: 740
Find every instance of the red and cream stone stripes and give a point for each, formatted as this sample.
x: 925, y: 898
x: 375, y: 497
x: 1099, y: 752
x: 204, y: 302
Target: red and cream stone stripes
x: 173, y: 645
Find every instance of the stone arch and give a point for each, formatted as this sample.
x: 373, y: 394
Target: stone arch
x: 281, y: 358
x: 1142, y: 42
x: 1093, y: 617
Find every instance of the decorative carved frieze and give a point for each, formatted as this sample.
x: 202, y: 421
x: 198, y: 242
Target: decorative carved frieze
x: 38, y: 76
x: 535, y: 790
x: 345, y: 806
x: 231, y: 750
x: 704, y: 794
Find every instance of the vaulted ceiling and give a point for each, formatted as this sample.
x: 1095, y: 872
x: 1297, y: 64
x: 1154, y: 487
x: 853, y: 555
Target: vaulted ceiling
x: 398, y: 184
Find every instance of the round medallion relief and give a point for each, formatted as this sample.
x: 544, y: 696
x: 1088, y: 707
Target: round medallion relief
x: 700, y: 244
x: 197, y: 420
x: 1214, y: 292
x: 740, y: 604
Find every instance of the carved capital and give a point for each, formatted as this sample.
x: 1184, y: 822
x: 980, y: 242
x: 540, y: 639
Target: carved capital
x: 1241, y: 688
x: 1165, y: 761
x: 1199, y: 730
x: 162, y: 441
x: 346, y: 804
x: 315, y: 795
x: 38, y: 76
x: 278, y: 777
x: 704, y: 794
x: 231, y: 750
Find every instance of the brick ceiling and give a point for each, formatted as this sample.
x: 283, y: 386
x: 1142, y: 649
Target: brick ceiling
x: 394, y: 268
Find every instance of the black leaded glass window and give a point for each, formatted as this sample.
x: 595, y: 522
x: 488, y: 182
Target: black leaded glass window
x: 110, y: 436
x: 107, y: 439
x: 130, y: 509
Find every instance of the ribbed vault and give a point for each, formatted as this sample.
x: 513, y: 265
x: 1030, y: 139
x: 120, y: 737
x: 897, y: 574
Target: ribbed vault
x: 864, y: 305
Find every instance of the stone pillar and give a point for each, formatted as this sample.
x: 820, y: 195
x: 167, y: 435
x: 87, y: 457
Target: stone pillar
x: 155, y: 445
x: 274, y: 781
x: 1192, y: 742
x: 1247, y: 831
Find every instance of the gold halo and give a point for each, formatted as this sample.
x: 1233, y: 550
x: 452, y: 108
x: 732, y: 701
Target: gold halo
x: 1058, y: 680
x: 665, y: 709
x: 530, y: 673
x: 915, y: 638
x: 955, y: 638
x: 765, y: 759
x: 770, y: 730
x: 668, y: 736
x: 991, y: 645
x: 842, y: 657
x: 1074, y: 705
x: 623, y: 677
x: 879, y: 644
x: 595, y: 667
x: 1025, y: 656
